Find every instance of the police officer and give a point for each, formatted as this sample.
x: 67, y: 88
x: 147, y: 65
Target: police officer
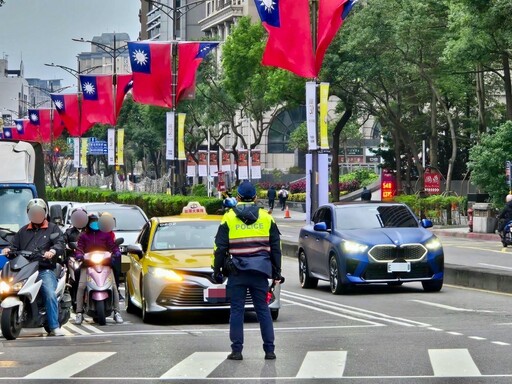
x: 249, y: 238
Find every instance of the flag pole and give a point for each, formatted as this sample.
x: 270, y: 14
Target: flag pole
x: 174, y: 91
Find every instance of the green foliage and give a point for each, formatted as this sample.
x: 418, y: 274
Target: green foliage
x: 200, y: 190
x: 433, y: 207
x: 364, y: 176
x: 152, y: 204
x: 487, y: 161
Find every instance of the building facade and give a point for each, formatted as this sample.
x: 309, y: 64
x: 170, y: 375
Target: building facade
x: 14, y: 92
x: 99, y: 61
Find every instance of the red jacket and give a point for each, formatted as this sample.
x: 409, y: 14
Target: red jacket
x: 89, y: 241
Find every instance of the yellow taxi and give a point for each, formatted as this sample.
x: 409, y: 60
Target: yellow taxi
x: 170, y: 265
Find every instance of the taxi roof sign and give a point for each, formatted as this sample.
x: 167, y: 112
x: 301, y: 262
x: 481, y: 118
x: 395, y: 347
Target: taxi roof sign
x: 193, y: 207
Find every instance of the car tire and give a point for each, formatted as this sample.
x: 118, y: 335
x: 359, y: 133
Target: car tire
x: 306, y: 281
x: 274, y: 313
x: 335, y: 277
x: 432, y: 285
x: 130, y: 307
x: 147, y: 317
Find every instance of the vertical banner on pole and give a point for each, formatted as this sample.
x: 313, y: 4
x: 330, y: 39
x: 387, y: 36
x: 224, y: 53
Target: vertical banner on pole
x: 111, y: 146
x: 203, y: 163
x: 311, y: 114
x: 226, y: 161
x: 169, y: 136
x: 181, y: 136
x: 323, y: 179
x: 83, y: 149
x: 214, y: 163
x: 76, y: 152
x: 309, y: 170
x: 256, y: 164
x: 120, y: 147
x: 243, y: 163
x: 191, y: 166
x: 324, y: 97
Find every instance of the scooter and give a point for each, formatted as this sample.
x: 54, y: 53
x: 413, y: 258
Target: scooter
x: 99, y: 294
x: 20, y: 291
x: 506, y: 234
x: 73, y: 266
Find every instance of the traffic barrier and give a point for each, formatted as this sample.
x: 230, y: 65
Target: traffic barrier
x: 287, y: 213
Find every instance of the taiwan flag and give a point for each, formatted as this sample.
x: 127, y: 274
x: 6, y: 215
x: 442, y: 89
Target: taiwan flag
x: 190, y: 55
x: 10, y: 133
x: 152, y: 73
x: 331, y: 15
x: 124, y: 83
x: 22, y: 128
x: 57, y: 125
x: 40, y: 124
x: 67, y: 107
x: 289, y: 45
x: 97, y: 100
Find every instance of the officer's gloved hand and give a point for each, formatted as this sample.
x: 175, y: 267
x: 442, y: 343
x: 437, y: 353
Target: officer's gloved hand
x: 278, y: 278
x: 217, y: 277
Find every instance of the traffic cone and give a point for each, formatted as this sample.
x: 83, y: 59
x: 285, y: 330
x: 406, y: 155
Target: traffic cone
x: 287, y: 213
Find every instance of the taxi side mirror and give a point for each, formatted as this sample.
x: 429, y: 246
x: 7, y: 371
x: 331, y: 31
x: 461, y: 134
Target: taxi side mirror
x: 135, y: 249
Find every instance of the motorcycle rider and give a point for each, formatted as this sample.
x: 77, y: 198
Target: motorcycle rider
x: 36, y: 235
x: 93, y: 239
x: 107, y: 224
x: 505, y: 215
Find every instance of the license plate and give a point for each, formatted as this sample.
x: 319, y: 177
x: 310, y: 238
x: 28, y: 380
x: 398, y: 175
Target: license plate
x: 399, y: 267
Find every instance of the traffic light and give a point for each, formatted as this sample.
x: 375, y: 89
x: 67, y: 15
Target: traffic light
x: 56, y: 150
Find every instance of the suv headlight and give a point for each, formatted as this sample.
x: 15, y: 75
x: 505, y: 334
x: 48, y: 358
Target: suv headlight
x: 163, y: 273
x: 433, y: 244
x: 353, y: 247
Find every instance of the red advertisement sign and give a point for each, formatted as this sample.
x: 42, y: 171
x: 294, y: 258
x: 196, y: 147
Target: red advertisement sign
x: 432, y: 181
x: 387, y: 186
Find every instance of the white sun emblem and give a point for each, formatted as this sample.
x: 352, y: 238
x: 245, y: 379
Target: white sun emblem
x: 19, y: 127
x: 7, y: 133
x: 140, y: 57
x: 88, y: 88
x: 33, y: 117
x: 59, y: 104
x: 268, y: 4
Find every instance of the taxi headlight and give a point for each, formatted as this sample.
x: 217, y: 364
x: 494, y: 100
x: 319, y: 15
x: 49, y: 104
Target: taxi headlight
x: 433, y: 244
x: 167, y: 274
x: 4, y: 287
x: 353, y: 247
x: 97, y: 258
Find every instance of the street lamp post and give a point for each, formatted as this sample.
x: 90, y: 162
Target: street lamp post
x: 114, y: 53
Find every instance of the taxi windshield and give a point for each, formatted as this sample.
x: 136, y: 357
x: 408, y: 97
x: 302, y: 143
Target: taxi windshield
x: 185, y: 235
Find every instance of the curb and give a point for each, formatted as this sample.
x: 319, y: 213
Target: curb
x: 467, y: 235
x: 459, y: 275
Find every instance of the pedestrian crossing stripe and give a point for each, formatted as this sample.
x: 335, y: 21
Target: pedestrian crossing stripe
x: 315, y: 365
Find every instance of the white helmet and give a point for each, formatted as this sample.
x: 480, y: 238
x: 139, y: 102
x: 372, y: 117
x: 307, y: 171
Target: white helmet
x: 508, y: 198
x: 37, y: 203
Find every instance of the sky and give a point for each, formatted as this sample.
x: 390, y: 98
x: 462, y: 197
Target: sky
x: 40, y: 31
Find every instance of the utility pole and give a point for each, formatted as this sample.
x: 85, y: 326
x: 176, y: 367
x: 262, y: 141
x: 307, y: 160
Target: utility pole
x: 314, y: 152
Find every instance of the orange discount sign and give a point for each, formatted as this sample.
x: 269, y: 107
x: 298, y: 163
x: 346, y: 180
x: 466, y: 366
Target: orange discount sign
x: 387, y: 186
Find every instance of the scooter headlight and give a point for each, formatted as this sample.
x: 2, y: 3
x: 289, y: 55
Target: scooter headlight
x: 16, y: 287
x: 4, y: 287
x: 97, y: 258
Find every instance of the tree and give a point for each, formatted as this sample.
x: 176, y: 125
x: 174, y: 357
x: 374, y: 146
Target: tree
x: 487, y: 161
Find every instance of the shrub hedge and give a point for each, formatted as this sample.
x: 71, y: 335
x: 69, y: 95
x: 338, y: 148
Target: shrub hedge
x: 152, y: 204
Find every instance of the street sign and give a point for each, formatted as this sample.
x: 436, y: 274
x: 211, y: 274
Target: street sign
x: 432, y: 181
x: 508, y: 173
x: 97, y: 147
x: 387, y: 186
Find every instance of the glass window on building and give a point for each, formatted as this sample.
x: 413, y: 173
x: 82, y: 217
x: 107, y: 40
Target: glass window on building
x: 282, y: 126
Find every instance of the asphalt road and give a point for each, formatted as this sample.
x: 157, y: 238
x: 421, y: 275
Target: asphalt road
x: 375, y: 334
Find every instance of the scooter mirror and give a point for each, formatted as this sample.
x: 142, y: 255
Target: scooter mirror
x: 73, y: 245
x: 119, y: 241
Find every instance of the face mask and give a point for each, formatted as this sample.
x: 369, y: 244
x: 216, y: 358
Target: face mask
x: 94, y: 226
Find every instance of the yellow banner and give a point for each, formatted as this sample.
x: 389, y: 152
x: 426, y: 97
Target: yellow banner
x: 324, y: 97
x: 83, y: 149
x: 181, y: 136
x: 120, y: 147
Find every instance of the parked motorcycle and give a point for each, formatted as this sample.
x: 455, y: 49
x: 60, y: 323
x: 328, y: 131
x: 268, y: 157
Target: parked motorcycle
x: 22, y: 299
x: 98, y: 295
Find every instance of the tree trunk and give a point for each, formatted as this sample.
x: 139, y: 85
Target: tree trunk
x: 335, y: 166
x: 508, y: 84
x: 434, y: 138
x: 480, y: 96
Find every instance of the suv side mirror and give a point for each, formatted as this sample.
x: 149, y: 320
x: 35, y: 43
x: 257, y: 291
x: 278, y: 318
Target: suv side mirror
x: 426, y: 223
x: 320, y: 227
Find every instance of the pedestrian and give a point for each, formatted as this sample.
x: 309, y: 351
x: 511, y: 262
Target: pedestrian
x: 248, y: 248
x: 366, y: 195
x: 271, y: 195
x: 283, y: 196
x: 36, y: 235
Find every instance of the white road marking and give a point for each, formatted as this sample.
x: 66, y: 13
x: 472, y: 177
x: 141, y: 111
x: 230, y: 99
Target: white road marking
x: 452, y: 363
x: 435, y: 329
x: 70, y: 365
x: 91, y: 328
x: 496, y: 266
x: 197, y: 366
x: 323, y: 365
x: 65, y: 331
x: 455, y: 333
x: 75, y: 329
x: 477, y: 338
x: 360, y: 312
x: 499, y: 343
x: 449, y: 307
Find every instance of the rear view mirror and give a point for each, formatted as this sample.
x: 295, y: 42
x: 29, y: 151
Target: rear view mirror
x: 320, y: 227
x: 56, y: 214
x: 426, y: 223
x: 119, y: 240
x: 135, y: 249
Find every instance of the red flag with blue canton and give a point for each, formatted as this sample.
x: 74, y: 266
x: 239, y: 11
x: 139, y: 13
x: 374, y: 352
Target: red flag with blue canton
x: 22, y: 129
x: 190, y: 55
x: 57, y: 125
x: 123, y: 85
x: 67, y: 108
x: 10, y: 133
x: 40, y: 124
x: 97, y: 99
x: 289, y: 45
x: 152, y: 73
x: 331, y: 15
